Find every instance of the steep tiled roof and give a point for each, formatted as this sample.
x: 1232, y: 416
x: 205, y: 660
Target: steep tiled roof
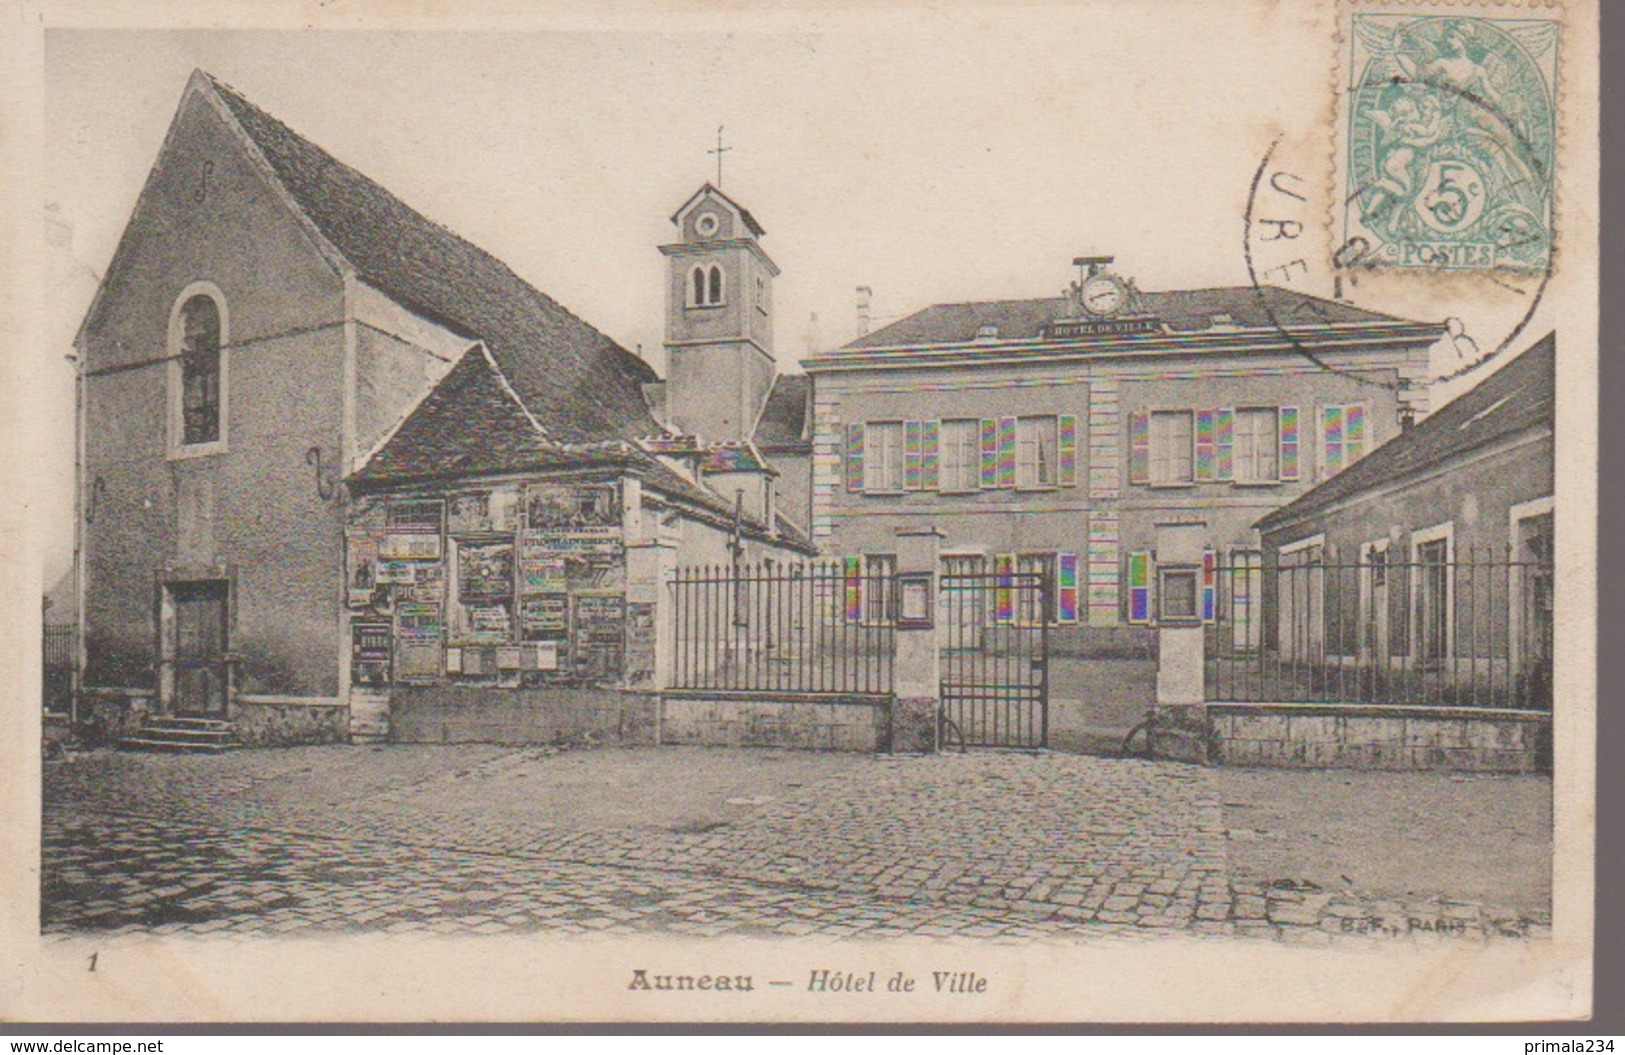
x: 1519, y: 396
x: 577, y: 381
x: 744, y: 213
x: 783, y: 425
x: 468, y: 425
x: 471, y: 424
x: 1182, y: 310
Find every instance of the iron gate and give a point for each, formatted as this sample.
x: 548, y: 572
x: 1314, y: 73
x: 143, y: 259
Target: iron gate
x: 995, y: 670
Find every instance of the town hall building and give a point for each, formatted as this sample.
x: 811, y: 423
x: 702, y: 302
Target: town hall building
x: 1051, y: 436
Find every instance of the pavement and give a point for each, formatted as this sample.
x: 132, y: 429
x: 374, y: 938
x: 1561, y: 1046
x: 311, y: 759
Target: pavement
x: 483, y: 839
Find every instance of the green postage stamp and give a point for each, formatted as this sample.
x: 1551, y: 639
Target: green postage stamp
x: 1449, y: 141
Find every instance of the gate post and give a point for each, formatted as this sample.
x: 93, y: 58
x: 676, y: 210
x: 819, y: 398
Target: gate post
x: 916, y: 666
x: 1179, y: 719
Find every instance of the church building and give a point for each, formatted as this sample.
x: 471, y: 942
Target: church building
x: 327, y: 445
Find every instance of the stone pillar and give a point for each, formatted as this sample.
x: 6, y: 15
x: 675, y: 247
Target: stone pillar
x: 916, y: 669
x: 1179, y: 718
x: 650, y: 566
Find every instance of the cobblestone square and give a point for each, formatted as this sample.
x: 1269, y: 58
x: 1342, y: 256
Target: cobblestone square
x: 992, y: 846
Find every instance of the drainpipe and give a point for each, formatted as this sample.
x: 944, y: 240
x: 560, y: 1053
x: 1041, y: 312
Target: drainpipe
x: 76, y: 677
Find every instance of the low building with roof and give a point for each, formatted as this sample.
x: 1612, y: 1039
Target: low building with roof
x: 1433, y: 556
x: 1050, y: 436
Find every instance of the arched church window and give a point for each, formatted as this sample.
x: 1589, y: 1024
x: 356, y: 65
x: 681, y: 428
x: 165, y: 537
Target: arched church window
x: 696, y: 287
x: 200, y: 370
x: 716, y: 285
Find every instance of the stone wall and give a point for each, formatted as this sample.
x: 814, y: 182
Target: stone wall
x: 425, y: 714
x: 105, y: 715
x: 799, y: 721
x: 282, y: 721
x: 1338, y: 736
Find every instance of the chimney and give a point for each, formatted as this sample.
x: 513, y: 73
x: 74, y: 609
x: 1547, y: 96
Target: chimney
x: 1407, y: 417
x: 864, y: 294
x: 814, y: 337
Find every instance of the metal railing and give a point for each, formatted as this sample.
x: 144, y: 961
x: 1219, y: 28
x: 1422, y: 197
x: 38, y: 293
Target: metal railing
x: 994, y: 638
x: 770, y: 627
x: 58, y: 668
x: 1469, y: 629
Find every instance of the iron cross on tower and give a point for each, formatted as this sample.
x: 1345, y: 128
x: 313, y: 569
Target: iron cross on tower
x: 719, y: 151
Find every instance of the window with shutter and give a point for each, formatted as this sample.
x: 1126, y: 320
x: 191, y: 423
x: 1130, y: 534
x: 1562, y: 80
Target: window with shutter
x: 1257, y: 445
x: 1205, y: 454
x: 961, y: 465
x: 1036, y: 459
x: 1007, y: 452
x: 879, y: 574
x: 1209, y: 581
x: 1066, y: 589
x: 1288, y: 419
x: 1172, y: 445
x: 990, y: 453
x: 1139, y: 587
x: 883, y: 456
x: 930, y: 455
x: 854, y: 457
x: 912, y: 453
x: 1004, y: 599
x: 1139, y: 447
x: 1224, y: 444
x: 1342, y: 437
x: 1068, y: 472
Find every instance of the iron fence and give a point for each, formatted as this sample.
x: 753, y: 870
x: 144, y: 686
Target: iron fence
x: 1470, y: 628
x: 994, y: 638
x: 58, y: 668
x: 770, y: 627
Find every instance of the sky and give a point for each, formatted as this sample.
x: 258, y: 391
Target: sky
x: 950, y: 152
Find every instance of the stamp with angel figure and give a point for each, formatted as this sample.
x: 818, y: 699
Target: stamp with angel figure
x: 1449, y: 141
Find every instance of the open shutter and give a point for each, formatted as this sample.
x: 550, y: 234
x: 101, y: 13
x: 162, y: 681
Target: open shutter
x: 1067, y: 427
x: 852, y: 582
x: 911, y: 455
x: 1139, y: 588
x: 1139, y: 447
x: 930, y: 455
x: 1066, y: 589
x: 1204, y: 445
x: 1289, y: 443
x: 854, y: 457
x: 1224, y: 444
x: 990, y: 453
x: 1354, y: 434
x: 1331, y: 440
x: 1007, y: 452
x: 1004, y: 594
x: 1210, y: 576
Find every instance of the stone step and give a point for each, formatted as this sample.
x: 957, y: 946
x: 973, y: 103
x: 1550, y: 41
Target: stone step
x: 163, y: 743
x: 184, y: 733
x: 173, y: 733
x: 181, y: 722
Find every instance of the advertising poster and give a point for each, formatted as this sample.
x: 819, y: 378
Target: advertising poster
x: 484, y: 572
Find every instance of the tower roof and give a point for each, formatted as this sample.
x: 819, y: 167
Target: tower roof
x: 716, y: 192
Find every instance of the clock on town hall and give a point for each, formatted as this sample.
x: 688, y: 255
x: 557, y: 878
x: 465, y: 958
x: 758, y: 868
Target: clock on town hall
x: 1103, y: 295
x: 1100, y: 304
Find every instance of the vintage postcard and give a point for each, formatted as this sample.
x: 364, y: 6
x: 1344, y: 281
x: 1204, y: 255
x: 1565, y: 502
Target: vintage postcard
x: 793, y: 512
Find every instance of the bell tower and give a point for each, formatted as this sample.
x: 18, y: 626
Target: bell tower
x: 719, y: 319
